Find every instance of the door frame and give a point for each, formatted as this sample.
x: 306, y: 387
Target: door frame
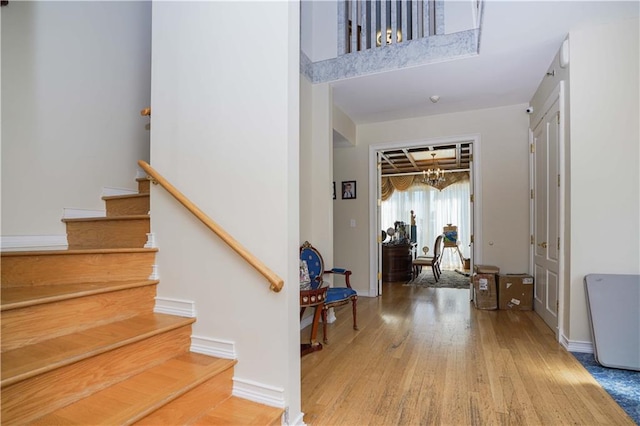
x: 475, y: 140
x: 558, y: 93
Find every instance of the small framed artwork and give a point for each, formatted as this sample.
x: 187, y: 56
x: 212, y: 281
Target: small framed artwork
x: 334, y: 190
x: 349, y: 190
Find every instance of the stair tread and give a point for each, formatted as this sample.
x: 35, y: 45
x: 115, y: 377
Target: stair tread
x: 238, y: 411
x: 19, y: 297
x: 107, y: 218
x: 140, y: 395
x: 75, y: 251
x: 28, y: 361
x: 125, y: 196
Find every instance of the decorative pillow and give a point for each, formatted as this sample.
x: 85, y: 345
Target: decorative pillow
x: 305, y: 280
x: 313, y: 262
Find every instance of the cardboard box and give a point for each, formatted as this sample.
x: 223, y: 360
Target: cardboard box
x: 515, y: 292
x: 485, y: 291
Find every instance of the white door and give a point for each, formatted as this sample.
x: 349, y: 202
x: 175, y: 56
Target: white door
x: 379, y: 220
x: 471, y: 219
x: 546, y: 213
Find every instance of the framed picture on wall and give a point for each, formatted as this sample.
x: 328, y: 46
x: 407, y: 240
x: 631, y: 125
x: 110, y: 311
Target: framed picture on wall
x: 349, y: 190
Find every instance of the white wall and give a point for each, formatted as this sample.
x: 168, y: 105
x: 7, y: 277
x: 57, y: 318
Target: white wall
x: 316, y: 169
x: 75, y: 76
x: 605, y: 141
x: 319, y: 29
x: 316, y: 172
x: 460, y: 15
x: 504, y: 174
x: 225, y: 131
x: 343, y: 124
x: 306, y: 163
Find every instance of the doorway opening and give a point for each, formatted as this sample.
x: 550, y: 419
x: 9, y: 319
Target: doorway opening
x: 419, y: 190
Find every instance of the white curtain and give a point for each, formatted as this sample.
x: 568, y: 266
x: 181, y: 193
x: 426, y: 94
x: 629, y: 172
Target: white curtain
x: 434, y: 210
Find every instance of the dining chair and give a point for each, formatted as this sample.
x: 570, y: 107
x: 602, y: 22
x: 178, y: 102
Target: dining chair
x: 433, y: 261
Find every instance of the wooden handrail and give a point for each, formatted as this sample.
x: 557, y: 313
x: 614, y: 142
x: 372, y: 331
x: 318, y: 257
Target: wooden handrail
x: 276, y: 283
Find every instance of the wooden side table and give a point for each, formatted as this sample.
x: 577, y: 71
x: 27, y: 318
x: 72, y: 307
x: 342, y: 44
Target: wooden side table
x: 312, y: 298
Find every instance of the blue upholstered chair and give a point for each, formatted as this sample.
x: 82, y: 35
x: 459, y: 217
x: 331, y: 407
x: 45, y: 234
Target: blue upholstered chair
x: 336, y: 296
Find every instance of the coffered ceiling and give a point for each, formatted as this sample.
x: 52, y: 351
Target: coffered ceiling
x: 415, y: 160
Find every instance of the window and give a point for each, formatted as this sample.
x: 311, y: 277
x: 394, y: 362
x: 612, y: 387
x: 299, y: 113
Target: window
x: 434, y: 209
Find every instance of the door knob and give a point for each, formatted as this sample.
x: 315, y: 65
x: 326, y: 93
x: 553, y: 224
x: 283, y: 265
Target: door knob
x: 543, y: 244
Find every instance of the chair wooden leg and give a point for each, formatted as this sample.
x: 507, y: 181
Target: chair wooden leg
x: 354, y: 302
x: 325, y: 339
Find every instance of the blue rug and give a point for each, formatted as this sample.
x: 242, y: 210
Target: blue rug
x: 622, y: 385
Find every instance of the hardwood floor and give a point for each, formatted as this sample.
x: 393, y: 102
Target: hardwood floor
x: 427, y: 356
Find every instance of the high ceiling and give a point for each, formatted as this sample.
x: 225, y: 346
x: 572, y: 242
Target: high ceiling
x: 518, y: 42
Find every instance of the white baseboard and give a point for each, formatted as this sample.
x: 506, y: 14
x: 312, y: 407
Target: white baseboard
x: 576, y: 345
x: 82, y: 213
x: 38, y: 242
x: 110, y: 192
x: 306, y: 321
x: 154, y: 272
x: 298, y: 421
x: 242, y: 388
x: 258, y: 392
x: 213, y: 347
x: 181, y: 308
x: 331, y: 315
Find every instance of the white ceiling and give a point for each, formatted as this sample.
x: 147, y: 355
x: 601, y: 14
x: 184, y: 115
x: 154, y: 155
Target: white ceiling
x: 518, y: 42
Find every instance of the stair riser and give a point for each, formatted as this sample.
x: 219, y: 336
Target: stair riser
x: 60, y: 268
x: 103, y: 357
x: 32, y: 398
x: 37, y: 323
x: 107, y: 234
x: 143, y: 186
x: 127, y: 206
x: 192, y: 405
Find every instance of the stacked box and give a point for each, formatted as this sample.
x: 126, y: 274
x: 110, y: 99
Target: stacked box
x: 485, y: 290
x: 515, y: 292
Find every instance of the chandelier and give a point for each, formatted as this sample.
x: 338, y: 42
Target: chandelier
x: 433, y: 176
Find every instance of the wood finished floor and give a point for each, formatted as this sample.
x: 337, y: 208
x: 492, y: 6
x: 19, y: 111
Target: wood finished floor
x: 426, y: 356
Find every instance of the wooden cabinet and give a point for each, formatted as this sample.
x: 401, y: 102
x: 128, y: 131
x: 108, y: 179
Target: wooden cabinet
x: 396, y: 262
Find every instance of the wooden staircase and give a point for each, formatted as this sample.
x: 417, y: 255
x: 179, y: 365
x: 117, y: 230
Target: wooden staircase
x: 82, y: 345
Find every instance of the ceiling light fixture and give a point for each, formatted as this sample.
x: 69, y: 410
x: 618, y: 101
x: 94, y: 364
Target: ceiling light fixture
x: 433, y: 177
x: 434, y: 98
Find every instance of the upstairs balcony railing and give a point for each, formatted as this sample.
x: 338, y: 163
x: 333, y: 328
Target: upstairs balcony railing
x: 386, y: 35
x: 369, y: 24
